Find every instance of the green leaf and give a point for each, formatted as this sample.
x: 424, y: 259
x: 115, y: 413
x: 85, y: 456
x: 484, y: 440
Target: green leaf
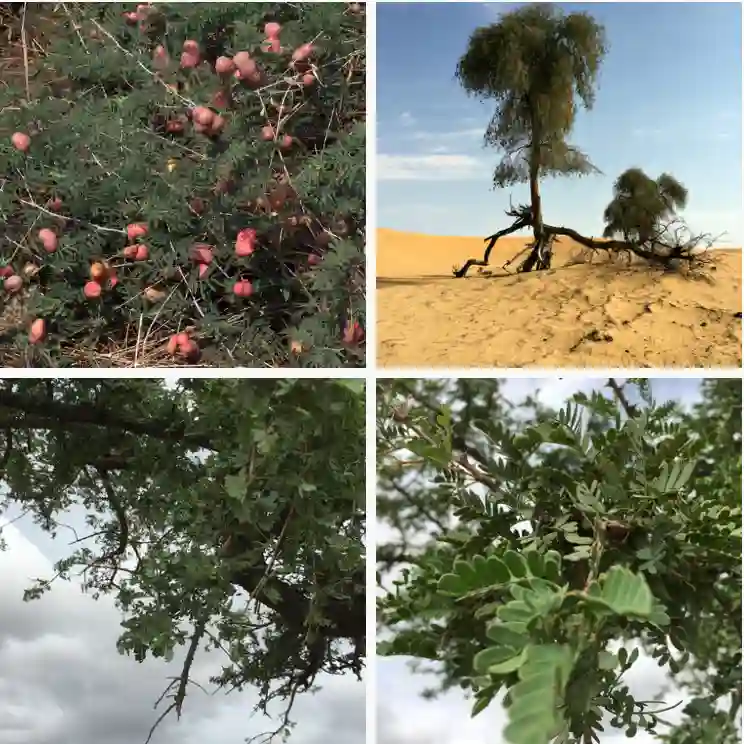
x: 481, y: 703
x: 516, y: 563
x: 504, y: 636
x: 235, y: 485
x: 625, y: 593
x: 491, y: 656
x: 451, y: 585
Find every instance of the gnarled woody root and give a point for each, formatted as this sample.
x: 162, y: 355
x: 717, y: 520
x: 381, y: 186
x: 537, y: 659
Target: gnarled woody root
x: 665, y: 246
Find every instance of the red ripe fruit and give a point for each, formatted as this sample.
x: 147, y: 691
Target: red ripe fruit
x: 38, y: 331
x: 202, y: 253
x: 92, y: 290
x: 243, y: 288
x: 245, y: 243
x: 224, y: 66
x: 272, y: 30
x: 21, y: 141
x: 136, y: 230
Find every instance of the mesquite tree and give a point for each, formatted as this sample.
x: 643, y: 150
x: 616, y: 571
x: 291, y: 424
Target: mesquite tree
x: 640, y: 205
x: 220, y: 513
x: 537, y: 550
x: 538, y: 65
x: 535, y: 63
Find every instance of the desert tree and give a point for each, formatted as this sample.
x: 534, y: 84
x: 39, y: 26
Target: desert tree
x: 641, y: 205
x: 223, y: 515
x: 534, y: 553
x: 536, y: 63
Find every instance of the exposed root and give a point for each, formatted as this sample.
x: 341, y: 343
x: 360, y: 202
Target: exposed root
x: 673, y: 244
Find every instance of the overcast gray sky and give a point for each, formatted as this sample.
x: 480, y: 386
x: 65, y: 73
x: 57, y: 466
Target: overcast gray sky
x: 404, y: 717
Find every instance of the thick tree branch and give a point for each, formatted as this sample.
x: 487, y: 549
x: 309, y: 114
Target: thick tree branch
x: 40, y: 413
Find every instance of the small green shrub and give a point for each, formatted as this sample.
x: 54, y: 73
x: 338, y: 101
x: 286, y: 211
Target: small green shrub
x: 114, y: 142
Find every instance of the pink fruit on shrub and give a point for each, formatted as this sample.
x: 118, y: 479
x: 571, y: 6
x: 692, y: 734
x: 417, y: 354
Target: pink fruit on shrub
x: 224, y: 66
x: 13, y: 283
x: 189, y: 61
x: 245, y: 63
x: 302, y: 53
x: 314, y: 259
x: 131, y: 18
x: 130, y: 252
x: 353, y: 334
x: 218, y: 124
x: 286, y: 142
x: 48, y: 239
x: 202, y: 253
x: 54, y: 205
x: 247, y: 69
x: 6, y: 271
x: 272, y: 45
x: 203, y: 269
x: 272, y: 30
x: 21, y: 141
x: 173, y: 344
x: 38, y: 331
x: 160, y: 57
x: 268, y: 132
x: 245, y: 243
x: 243, y: 288
x: 190, y: 46
x: 136, y: 230
x: 202, y: 115
x: 189, y: 351
x: 92, y: 290
x: 308, y: 79
x: 142, y: 252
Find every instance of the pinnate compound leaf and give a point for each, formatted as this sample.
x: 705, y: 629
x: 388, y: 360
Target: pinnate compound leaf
x: 516, y: 563
x: 451, y: 585
x: 626, y: 593
x: 491, y: 656
x: 503, y: 636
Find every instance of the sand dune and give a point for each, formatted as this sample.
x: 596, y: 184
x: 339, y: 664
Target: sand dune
x: 603, y: 314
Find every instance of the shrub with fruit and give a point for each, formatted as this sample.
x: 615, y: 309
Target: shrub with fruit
x: 185, y: 183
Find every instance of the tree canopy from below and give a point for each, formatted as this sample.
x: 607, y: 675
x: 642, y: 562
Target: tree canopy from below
x: 534, y: 552
x: 221, y: 515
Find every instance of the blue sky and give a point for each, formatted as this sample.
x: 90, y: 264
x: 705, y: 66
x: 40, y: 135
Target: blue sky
x: 668, y: 99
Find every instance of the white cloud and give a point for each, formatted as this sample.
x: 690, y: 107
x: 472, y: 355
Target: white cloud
x: 457, y: 134
x: 407, y: 119
x: 63, y: 682
x: 432, y: 167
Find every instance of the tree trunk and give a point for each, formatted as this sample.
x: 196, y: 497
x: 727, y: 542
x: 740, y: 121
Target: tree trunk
x: 537, y: 218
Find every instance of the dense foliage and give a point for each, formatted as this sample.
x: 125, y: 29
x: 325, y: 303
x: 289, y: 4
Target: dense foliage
x: 537, y: 550
x: 640, y: 205
x: 221, y: 514
x: 187, y: 168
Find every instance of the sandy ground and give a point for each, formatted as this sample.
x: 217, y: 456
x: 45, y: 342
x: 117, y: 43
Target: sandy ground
x: 599, y: 314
